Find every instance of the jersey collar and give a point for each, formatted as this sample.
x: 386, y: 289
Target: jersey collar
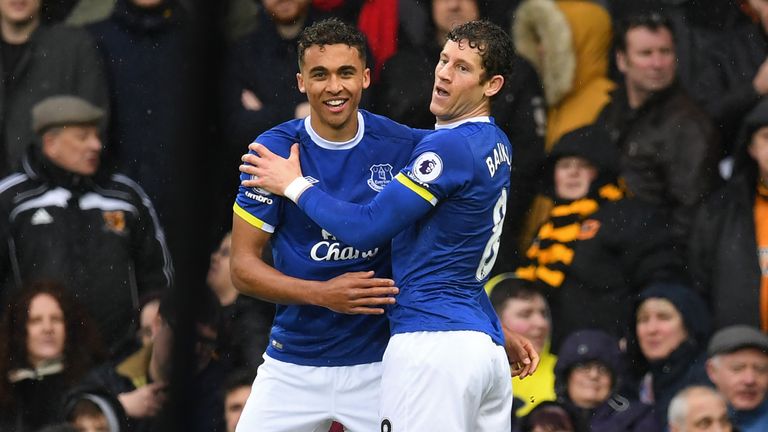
x: 481, y: 119
x: 335, y: 145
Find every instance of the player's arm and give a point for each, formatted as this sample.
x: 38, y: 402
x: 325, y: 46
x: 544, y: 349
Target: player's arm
x: 364, y: 226
x: 351, y: 293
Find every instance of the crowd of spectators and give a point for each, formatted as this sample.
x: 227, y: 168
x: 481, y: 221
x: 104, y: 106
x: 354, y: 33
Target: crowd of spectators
x: 636, y: 225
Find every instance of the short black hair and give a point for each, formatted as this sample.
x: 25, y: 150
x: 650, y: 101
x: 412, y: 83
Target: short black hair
x: 242, y: 377
x: 653, y: 21
x: 331, y: 31
x: 495, y: 46
x: 513, y: 288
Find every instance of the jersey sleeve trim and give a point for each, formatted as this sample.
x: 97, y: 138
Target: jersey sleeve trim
x: 420, y: 191
x: 252, y: 220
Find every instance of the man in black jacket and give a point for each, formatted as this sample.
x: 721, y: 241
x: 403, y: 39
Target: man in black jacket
x: 37, y: 61
x: 64, y: 218
x: 668, y: 145
x: 728, y: 257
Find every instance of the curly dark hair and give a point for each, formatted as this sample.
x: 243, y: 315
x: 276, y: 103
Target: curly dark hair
x: 331, y: 31
x: 495, y: 46
x: 82, y: 348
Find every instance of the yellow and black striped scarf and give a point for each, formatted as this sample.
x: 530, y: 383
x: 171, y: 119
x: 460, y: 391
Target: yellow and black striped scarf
x: 551, y: 252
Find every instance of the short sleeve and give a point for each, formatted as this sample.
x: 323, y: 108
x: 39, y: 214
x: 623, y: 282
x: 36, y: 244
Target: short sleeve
x: 256, y: 206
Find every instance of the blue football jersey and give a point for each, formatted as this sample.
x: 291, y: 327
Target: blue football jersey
x: 356, y: 170
x: 445, y: 212
x: 443, y: 261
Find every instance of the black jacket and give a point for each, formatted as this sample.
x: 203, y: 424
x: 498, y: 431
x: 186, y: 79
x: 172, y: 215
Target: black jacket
x: 37, y: 402
x: 723, y: 258
x: 686, y: 365
x: 669, y: 153
x: 148, y: 63
x: 98, y: 235
x: 724, y: 84
x: 58, y: 60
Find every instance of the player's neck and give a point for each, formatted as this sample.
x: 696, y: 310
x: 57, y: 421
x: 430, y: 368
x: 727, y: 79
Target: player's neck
x: 479, y: 111
x: 340, y: 134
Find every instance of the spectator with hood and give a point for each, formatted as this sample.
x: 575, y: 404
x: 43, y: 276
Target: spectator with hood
x: 588, y: 374
x: 567, y: 42
x: 94, y: 409
x: 728, y: 257
x: 597, y: 249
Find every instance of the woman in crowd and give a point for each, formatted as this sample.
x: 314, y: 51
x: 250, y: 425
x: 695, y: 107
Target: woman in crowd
x: 668, y: 351
x: 46, y: 346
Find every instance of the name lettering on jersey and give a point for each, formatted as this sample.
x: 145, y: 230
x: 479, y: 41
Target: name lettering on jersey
x: 381, y: 175
x: 500, y: 155
x: 331, y: 250
x: 259, y: 198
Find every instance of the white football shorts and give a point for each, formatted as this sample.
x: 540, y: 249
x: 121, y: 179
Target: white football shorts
x: 287, y: 397
x: 449, y: 381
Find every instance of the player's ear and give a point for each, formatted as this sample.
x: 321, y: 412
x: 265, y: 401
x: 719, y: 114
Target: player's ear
x: 366, y: 78
x: 494, y: 85
x: 300, y: 83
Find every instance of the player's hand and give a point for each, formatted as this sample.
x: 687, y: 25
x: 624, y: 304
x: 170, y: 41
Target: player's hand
x: 523, y: 358
x: 357, y: 293
x: 270, y: 171
x: 145, y: 401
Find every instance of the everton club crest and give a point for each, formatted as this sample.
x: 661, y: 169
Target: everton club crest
x: 381, y: 174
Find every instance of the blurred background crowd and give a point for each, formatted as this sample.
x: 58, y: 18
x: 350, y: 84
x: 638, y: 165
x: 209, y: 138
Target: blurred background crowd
x: 634, y: 252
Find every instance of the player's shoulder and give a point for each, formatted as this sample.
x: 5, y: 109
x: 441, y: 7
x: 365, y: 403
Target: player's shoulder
x: 280, y: 138
x: 384, y: 127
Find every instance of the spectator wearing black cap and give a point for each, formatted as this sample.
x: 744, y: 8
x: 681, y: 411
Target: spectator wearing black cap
x: 588, y: 374
x: 64, y: 218
x: 597, y: 248
x: 738, y: 365
x: 668, y: 348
